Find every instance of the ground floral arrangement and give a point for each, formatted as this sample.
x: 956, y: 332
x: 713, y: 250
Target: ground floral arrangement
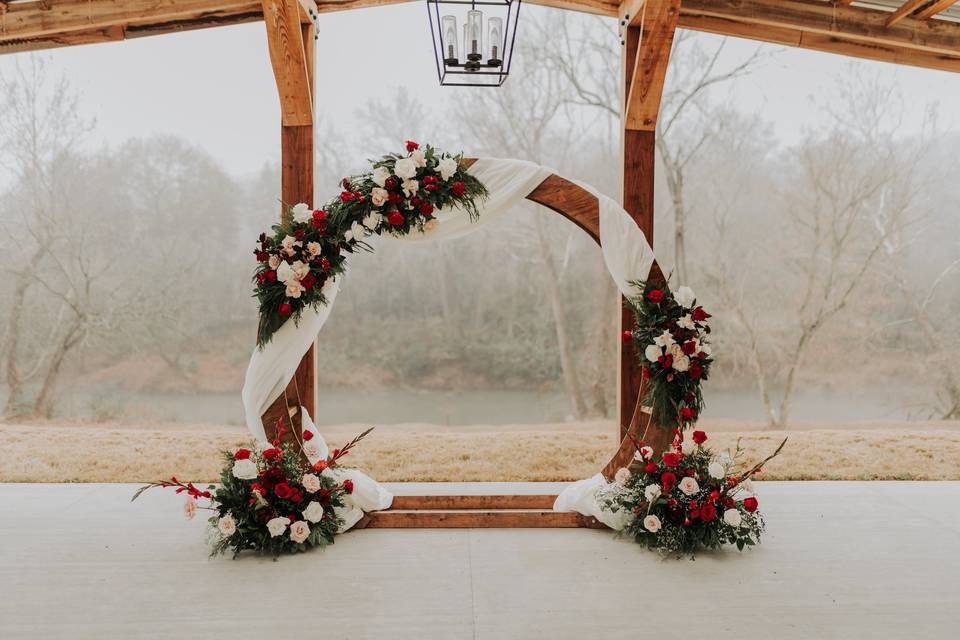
x: 401, y: 193
x: 691, y: 498
x: 270, y: 500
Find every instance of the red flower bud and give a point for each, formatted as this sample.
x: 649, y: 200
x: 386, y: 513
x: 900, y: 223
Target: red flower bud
x: 308, y: 281
x: 270, y: 275
x: 750, y: 504
x: 345, y: 183
x: 308, y: 435
x: 285, y: 309
x: 390, y: 183
x: 699, y: 315
x: 426, y: 208
x: 655, y: 296
x: 346, y: 196
x: 262, y: 256
x: 699, y: 437
x: 396, y: 218
x: 412, y: 146
x: 319, y: 215
x: 688, y: 413
x: 650, y: 467
x: 325, y: 264
x: 241, y: 454
x: 348, y: 485
x: 626, y: 336
x: 458, y: 188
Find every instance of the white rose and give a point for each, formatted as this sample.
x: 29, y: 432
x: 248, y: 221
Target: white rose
x: 689, y: 486
x: 687, y: 447
x: 277, y: 526
x: 355, y: 232
x: 652, y: 353
x: 245, y: 469
x: 288, y: 244
x: 274, y: 261
x: 651, y: 523
x: 732, y: 517
x: 621, y: 476
x: 285, y: 272
x: 705, y: 348
x: 227, y: 525
x: 681, y: 362
x: 190, y: 508
x: 665, y: 339
x: 299, y: 531
x: 685, y: 297
x: 447, y: 167
x: 310, y: 482
x: 380, y: 175
x: 405, y: 168
x: 378, y: 196
x: 302, y: 213
x: 300, y: 269
x: 420, y: 157
x: 314, y: 248
x: 716, y: 470
x: 651, y: 492
x: 373, y: 220
x: 313, y: 512
x: 294, y: 289
x: 410, y: 188
x: 686, y: 322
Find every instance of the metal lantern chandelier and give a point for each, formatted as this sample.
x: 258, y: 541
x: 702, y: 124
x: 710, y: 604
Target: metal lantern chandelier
x: 482, y: 57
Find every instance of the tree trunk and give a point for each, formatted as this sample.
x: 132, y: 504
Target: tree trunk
x: 570, y: 378
x: 14, y: 328
x: 42, y: 405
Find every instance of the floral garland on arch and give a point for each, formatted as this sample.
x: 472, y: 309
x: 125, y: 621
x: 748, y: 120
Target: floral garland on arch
x: 401, y: 193
x: 270, y: 500
x: 671, y: 337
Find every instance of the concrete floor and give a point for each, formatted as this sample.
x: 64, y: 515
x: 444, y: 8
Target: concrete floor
x: 840, y: 560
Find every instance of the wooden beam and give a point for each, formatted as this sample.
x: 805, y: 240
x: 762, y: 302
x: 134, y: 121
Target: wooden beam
x: 596, y: 7
x: 30, y: 20
x: 819, y: 42
x: 659, y: 22
x: 849, y: 23
x: 903, y: 11
x: 285, y: 42
x: 934, y: 8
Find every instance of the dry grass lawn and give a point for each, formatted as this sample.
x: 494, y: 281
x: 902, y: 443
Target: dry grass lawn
x: 66, y: 452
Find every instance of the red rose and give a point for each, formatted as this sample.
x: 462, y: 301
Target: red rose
x: 308, y: 435
x: 270, y: 275
x: 283, y: 490
x: 412, y: 146
x: 261, y: 278
x: 394, y: 198
x: 693, y: 504
x: 668, y: 480
x: 458, y: 188
x: 694, y: 514
x: 655, y: 296
x: 308, y: 281
x: 241, y: 454
x: 650, y: 467
x: 285, y: 309
x: 695, y: 370
x: 727, y: 502
x: 273, y: 454
x: 262, y: 256
x: 699, y: 437
x: 390, y: 183
x: 431, y: 187
x: 325, y: 264
x: 321, y: 225
x: 396, y: 218
x: 688, y: 413
x: 708, y: 512
x: 346, y: 196
x: 666, y: 361
x: 700, y: 315
x: 319, y: 215
x: 750, y: 504
x: 626, y: 336
x: 348, y: 486
x: 671, y: 459
x: 358, y: 196
x: 426, y: 208
x: 689, y: 347
x: 298, y: 233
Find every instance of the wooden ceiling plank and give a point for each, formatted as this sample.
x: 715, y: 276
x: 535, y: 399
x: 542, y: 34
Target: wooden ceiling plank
x: 849, y: 23
x: 904, y: 10
x: 659, y: 21
x: 935, y: 8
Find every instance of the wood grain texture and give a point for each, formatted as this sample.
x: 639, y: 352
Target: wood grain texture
x: 489, y: 519
x: 286, y: 46
x: 482, y: 502
x: 643, y: 92
x: 934, y: 8
x: 904, y: 10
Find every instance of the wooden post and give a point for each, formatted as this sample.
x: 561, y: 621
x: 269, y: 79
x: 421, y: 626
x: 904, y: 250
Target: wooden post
x: 647, y: 41
x: 290, y: 36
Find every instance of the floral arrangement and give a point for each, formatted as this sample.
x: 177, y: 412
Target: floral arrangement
x: 402, y: 192
x: 690, y: 499
x: 671, y: 336
x: 269, y: 499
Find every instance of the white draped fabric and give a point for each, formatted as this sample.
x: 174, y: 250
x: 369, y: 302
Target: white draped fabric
x: 626, y: 253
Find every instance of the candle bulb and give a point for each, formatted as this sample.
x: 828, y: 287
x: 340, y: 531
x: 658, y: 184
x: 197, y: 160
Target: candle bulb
x: 450, y: 39
x: 474, y: 41
x: 495, y: 38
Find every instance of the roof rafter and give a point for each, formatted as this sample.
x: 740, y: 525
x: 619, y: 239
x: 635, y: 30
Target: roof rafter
x: 934, y: 8
x: 905, y: 10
